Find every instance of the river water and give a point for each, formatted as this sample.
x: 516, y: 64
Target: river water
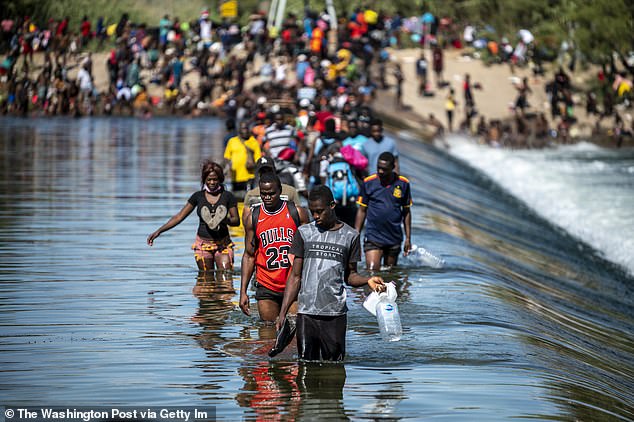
x: 524, y: 320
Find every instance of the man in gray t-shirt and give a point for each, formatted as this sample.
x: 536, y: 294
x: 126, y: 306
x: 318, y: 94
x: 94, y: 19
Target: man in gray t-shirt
x: 326, y: 255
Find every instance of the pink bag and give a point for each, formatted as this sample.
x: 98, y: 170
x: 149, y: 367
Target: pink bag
x: 354, y: 157
x: 309, y: 77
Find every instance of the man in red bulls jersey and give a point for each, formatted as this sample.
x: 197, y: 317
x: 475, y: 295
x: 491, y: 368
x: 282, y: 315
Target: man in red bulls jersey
x: 269, y: 230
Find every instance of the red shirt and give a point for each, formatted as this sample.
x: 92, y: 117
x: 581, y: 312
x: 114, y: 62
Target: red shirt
x: 61, y: 28
x: 274, y: 232
x: 85, y: 28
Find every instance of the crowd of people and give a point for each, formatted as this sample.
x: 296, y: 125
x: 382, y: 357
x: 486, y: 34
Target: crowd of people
x: 147, y: 66
x: 200, y: 67
x: 347, y: 169
x: 140, y: 57
x: 528, y: 125
x: 319, y: 139
x: 307, y: 129
x: 299, y: 266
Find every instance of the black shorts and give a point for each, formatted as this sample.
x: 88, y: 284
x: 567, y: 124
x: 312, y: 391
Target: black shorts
x: 239, y: 186
x: 388, y: 250
x: 262, y: 293
x: 321, y: 338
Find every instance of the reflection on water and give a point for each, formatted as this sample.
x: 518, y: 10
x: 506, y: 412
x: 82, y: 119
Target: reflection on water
x: 276, y: 390
x: 270, y: 390
x: 215, y: 293
x: 521, y: 321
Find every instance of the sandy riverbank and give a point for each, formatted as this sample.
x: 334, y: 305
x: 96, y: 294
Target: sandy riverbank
x: 493, y: 101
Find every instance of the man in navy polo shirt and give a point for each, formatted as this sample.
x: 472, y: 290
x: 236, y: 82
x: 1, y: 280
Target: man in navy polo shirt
x: 385, y: 202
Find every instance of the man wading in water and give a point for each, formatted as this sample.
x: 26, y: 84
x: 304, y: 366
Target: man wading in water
x: 269, y: 230
x: 326, y: 254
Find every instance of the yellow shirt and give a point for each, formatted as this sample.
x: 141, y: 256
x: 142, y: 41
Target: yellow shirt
x: 236, y: 152
x: 450, y: 104
x: 624, y: 87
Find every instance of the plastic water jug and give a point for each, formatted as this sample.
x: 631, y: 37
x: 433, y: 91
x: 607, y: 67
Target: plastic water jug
x: 388, y: 318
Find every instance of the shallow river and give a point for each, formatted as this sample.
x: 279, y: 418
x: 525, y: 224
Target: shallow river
x: 523, y: 320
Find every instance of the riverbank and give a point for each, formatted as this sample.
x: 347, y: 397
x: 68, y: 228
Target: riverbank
x: 495, y: 91
x: 494, y: 99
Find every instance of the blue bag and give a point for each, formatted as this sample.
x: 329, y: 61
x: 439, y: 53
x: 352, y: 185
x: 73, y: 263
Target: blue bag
x: 342, y: 182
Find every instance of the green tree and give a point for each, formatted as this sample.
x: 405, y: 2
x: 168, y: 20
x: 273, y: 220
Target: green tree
x: 603, y: 27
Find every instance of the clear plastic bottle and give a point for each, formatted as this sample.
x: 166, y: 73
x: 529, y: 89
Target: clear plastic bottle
x: 388, y: 318
x: 422, y: 256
